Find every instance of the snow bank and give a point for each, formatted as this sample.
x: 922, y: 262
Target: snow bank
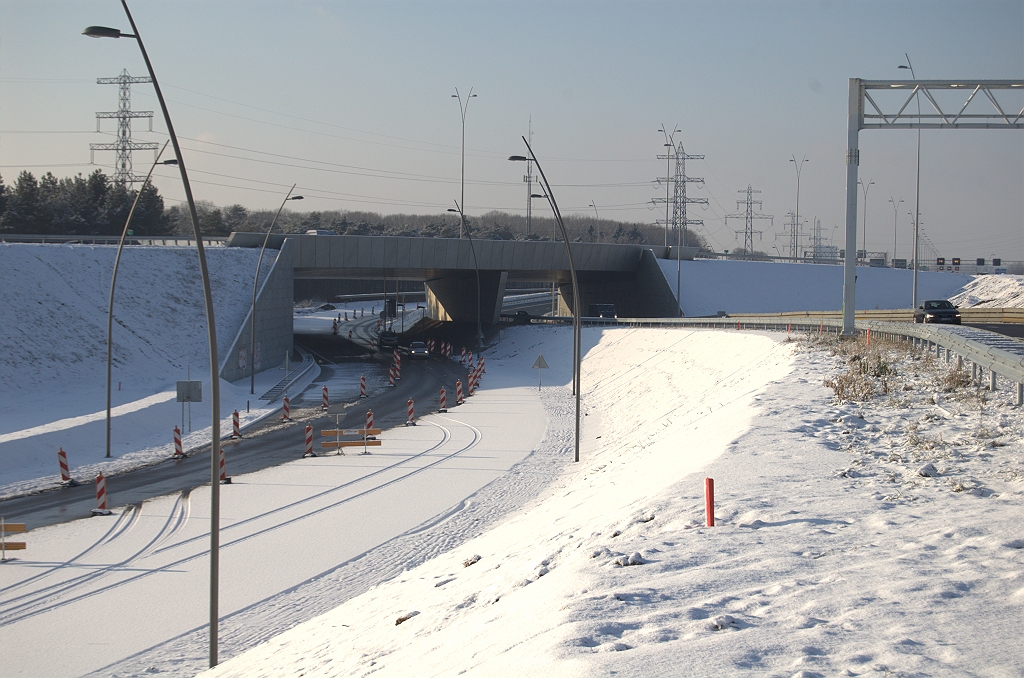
x: 832, y: 555
x: 992, y: 291
x: 711, y: 285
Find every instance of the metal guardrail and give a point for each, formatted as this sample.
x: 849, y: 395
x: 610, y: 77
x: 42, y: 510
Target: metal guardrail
x: 147, y: 241
x: 986, y: 350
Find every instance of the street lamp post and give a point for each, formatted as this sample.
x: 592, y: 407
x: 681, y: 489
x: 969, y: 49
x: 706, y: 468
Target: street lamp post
x: 917, y: 198
x: 895, y: 215
x: 598, y: 216
x: 255, y: 283
x: 864, y: 238
x: 463, y: 107
x: 113, y: 278
x: 472, y: 248
x: 575, y: 287
x: 796, y: 217
x: 104, y: 32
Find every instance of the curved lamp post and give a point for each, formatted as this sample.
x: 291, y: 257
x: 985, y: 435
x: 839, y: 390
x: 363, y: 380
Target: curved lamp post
x: 463, y: 107
x: 104, y: 32
x: 113, y: 278
x: 895, y: 215
x: 472, y: 248
x: 917, y: 199
x: 796, y: 218
x: 864, y: 237
x: 575, y: 287
x: 598, y: 215
x: 255, y: 283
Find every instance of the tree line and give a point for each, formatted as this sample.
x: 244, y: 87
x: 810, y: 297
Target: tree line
x: 94, y: 205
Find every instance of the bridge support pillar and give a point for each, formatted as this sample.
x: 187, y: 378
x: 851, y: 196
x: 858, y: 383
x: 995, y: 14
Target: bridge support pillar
x: 454, y: 298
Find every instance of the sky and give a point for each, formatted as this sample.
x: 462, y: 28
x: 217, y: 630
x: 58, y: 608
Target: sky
x: 353, y: 102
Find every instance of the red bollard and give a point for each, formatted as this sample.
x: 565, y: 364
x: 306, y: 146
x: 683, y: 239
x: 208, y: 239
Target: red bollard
x: 324, y: 406
x: 411, y: 420
x: 458, y: 392
x: 869, y: 336
x: 178, y: 453
x: 369, y: 419
x: 236, y: 429
x: 101, y: 497
x: 789, y: 326
x: 709, y: 501
x: 65, y: 472
x: 309, y: 442
x: 444, y: 401
x: 362, y: 385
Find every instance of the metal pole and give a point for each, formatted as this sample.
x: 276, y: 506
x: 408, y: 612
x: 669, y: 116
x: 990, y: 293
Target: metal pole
x: 895, y: 216
x: 462, y: 110
x: 211, y: 336
x: 113, y: 283
x: 917, y: 196
x: 255, y: 282
x: 864, y: 236
x: 472, y: 248
x: 577, y: 333
x: 854, y: 116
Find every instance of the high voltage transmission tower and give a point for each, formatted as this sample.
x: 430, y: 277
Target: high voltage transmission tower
x: 124, y: 145
x: 675, y: 190
x: 528, y: 180
x: 679, y: 220
x: 748, y: 215
x: 795, y: 231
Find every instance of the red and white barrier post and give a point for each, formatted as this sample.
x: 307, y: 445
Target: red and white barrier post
x: 178, y: 453
x: 444, y: 401
x: 463, y: 358
x: 369, y: 419
x: 309, y: 442
x: 391, y: 375
x: 447, y: 350
x: 287, y: 409
x: 236, y: 429
x: 411, y: 420
x: 398, y: 369
x: 224, y: 480
x: 324, y: 406
x: 470, y: 360
x: 458, y: 392
x: 65, y: 472
x: 709, y: 501
x: 101, y: 497
x: 430, y: 345
x: 362, y: 385
x: 483, y: 367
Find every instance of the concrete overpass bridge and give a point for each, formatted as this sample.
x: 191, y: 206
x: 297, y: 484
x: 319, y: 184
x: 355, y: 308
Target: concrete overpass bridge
x: 625, y: 275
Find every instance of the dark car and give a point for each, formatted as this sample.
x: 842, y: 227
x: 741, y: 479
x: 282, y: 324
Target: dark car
x: 387, y: 339
x: 418, y: 349
x: 937, y: 311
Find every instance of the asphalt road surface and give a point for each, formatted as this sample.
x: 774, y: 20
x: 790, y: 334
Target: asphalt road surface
x: 271, y: 443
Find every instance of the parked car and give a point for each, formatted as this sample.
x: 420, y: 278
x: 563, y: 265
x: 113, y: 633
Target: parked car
x: 937, y: 311
x: 418, y: 349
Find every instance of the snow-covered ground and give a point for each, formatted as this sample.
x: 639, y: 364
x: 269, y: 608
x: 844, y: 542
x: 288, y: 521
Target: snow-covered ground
x: 837, y: 549
x: 992, y: 291
x: 471, y: 544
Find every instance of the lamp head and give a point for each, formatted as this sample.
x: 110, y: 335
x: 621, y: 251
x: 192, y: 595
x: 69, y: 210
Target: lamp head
x: 172, y: 161
x: 537, y: 195
x: 102, y: 32
x: 517, y: 158
x: 452, y: 209
x: 903, y: 66
x: 296, y: 197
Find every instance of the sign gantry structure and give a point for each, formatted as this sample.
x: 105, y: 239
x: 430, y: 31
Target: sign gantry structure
x: 886, y: 104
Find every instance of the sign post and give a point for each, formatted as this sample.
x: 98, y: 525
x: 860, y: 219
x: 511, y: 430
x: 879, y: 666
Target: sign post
x: 540, y: 364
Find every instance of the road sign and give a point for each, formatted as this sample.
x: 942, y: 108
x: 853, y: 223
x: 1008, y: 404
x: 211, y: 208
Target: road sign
x: 540, y: 364
x: 190, y: 391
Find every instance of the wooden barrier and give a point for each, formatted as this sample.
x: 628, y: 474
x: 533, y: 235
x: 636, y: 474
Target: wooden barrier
x: 349, y: 443
x: 5, y: 546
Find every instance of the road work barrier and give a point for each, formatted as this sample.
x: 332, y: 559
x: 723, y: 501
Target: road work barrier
x: 286, y: 406
x: 369, y: 418
x: 391, y: 375
x: 65, y: 472
x: 362, y: 385
x: 5, y: 546
x: 444, y: 401
x: 101, y: 497
x: 458, y: 392
x: 430, y: 345
x: 462, y: 360
x: 365, y: 440
x: 325, y: 403
x: 236, y: 428
x: 178, y: 453
x: 411, y: 420
x: 224, y: 480
x: 309, y: 442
